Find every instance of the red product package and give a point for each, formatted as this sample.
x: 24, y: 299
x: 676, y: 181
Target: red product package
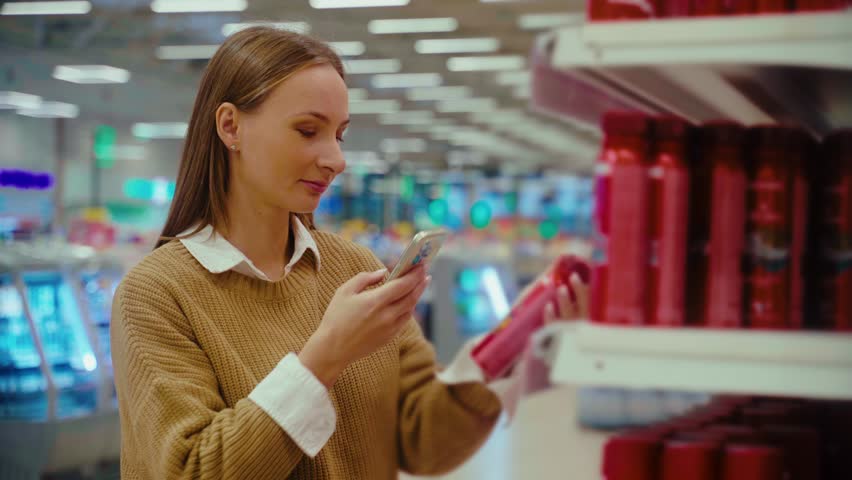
x: 692, y: 459
x: 629, y: 219
x: 723, y: 146
x: 631, y: 457
x: 801, y: 246
x: 669, y: 222
x: 770, y: 227
x: 600, y: 238
x: 752, y: 462
x: 818, y: 5
x: 835, y: 288
x: 621, y: 9
x: 501, y: 348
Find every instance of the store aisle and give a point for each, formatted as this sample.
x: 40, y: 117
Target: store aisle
x: 543, y: 443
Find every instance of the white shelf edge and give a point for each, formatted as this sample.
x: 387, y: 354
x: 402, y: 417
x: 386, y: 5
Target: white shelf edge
x: 813, y: 39
x: 801, y: 364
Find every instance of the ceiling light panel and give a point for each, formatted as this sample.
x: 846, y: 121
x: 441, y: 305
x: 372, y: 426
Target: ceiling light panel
x: 467, y: 105
x: 403, y: 145
x: 159, y: 130
x: 348, y: 49
x: 412, y: 25
x: 457, y: 45
x: 407, y: 80
x: 91, y: 74
x: 514, y: 78
x: 356, y: 94
x: 186, y: 52
x: 51, y: 110
x: 522, y: 91
x: 543, y: 21
x: 298, y: 27
x: 367, y: 107
x: 438, y: 93
x: 16, y: 100
x: 184, y: 6
x: 46, y: 8
x: 410, y: 117
x: 486, y: 63
x: 319, y: 4
x: 385, y: 65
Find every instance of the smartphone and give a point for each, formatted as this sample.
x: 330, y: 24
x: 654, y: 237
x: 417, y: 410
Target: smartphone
x: 422, y: 249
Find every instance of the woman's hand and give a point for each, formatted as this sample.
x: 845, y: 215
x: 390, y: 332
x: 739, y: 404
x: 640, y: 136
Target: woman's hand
x: 359, y: 321
x: 565, y: 308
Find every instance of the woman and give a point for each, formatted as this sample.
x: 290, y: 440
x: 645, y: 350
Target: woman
x: 249, y: 344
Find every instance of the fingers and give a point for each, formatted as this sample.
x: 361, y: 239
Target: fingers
x: 581, y: 292
x: 549, y: 314
x: 400, y: 287
x: 406, y: 304
x: 359, y: 282
x: 567, y: 307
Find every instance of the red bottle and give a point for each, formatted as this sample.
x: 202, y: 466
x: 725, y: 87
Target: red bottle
x: 629, y: 225
x: 669, y: 222
x: 770, y: 227
x: 631, y: 457
x: 801, y: 159
x: 600, y: 239
x: 692, y: 459
x: 501, y: 348
x: 752, y: 462
x: 835, y: 288
x: 723, y: 146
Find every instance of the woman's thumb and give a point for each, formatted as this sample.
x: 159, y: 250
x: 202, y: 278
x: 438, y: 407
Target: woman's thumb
x: 365, y: 279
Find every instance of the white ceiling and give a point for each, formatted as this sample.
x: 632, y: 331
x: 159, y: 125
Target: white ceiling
x: 126, y: 34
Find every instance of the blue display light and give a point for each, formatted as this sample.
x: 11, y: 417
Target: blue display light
x: 26, y: 180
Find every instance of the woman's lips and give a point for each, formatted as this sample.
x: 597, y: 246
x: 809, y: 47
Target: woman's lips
x: 317, y: 187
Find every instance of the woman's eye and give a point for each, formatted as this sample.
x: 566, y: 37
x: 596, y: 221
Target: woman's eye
x: 340, y: 139
x: 307, y: 133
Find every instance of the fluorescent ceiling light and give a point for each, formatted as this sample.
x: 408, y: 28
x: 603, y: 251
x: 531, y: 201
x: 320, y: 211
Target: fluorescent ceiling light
x: 51, y: 110
x: 514, y: 78
x: 522, y: 91
x: 186, y: 52
x: 514, y: 116
x: 366, y: 107
x: 182, y: 6
x: 86, y: 74
x: 431, y: 126
x: 407, y: 80
x: 413, y: 25
x: 411, y: 117
x: 46, y: 8
x: 467, y: 105
x: 174, y: 130
x: 457, y: 45
x: 386, y: 65
x: 356, y: 94
x: 348, y: 49
x: 492, y: 62
x: 298, y: 27
x: 437, y: 93
x: 16, y: 100
x: 358, y: 3
x: 541, y: 21
x: 403, y: 145
x: 129, y: 152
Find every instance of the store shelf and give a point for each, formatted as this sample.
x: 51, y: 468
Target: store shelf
x: 754, y: 69
x: 800, y: 364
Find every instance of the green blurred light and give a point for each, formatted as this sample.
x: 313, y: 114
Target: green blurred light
x: 480, y: 214
x: 439, y: 211
x: 104, y: 146
x: 469, y: 280
x: 548, y: 229
x: 553, y: 213
x: 511, y: 199
x: 139, y: 188
x: 406, y: 188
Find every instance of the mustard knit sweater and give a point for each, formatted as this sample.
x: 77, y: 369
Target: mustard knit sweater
x: 189, y: 346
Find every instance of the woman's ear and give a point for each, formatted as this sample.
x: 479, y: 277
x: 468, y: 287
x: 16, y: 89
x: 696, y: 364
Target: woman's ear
x: 227, y: 125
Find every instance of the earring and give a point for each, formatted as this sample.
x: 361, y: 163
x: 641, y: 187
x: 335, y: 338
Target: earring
x: 234, y: 147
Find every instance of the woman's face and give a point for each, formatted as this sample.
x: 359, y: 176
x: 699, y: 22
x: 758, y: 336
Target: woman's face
x: 290, y: 147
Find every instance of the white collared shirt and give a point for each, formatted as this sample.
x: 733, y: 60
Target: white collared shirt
x: 290, y: 393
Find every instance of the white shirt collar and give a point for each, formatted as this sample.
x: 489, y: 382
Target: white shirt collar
x: 217, y: 255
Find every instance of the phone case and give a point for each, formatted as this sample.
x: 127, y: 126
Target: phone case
x: 421, y: 249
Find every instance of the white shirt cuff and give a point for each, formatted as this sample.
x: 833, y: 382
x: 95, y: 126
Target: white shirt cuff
x: 298, y: 402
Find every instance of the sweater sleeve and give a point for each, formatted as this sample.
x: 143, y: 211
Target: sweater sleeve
x: 172, y: 414
x: 440, y: 425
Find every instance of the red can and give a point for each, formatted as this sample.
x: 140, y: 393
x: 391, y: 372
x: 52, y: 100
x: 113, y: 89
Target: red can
x: 770, y: 226
x: 669, y: 222
x: 600, y: 238
x: 770, y: 6
x: 723, y: 145
x: 802, y: 160
x: 801, y: 447
x: 836, y: 231
x: 752, y: 462
x: 631, y: 457
x: 692, y: 459
x: 703, y: 8
x: 629, y: 232
x: 675, y: 8
x: 621, y: 9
